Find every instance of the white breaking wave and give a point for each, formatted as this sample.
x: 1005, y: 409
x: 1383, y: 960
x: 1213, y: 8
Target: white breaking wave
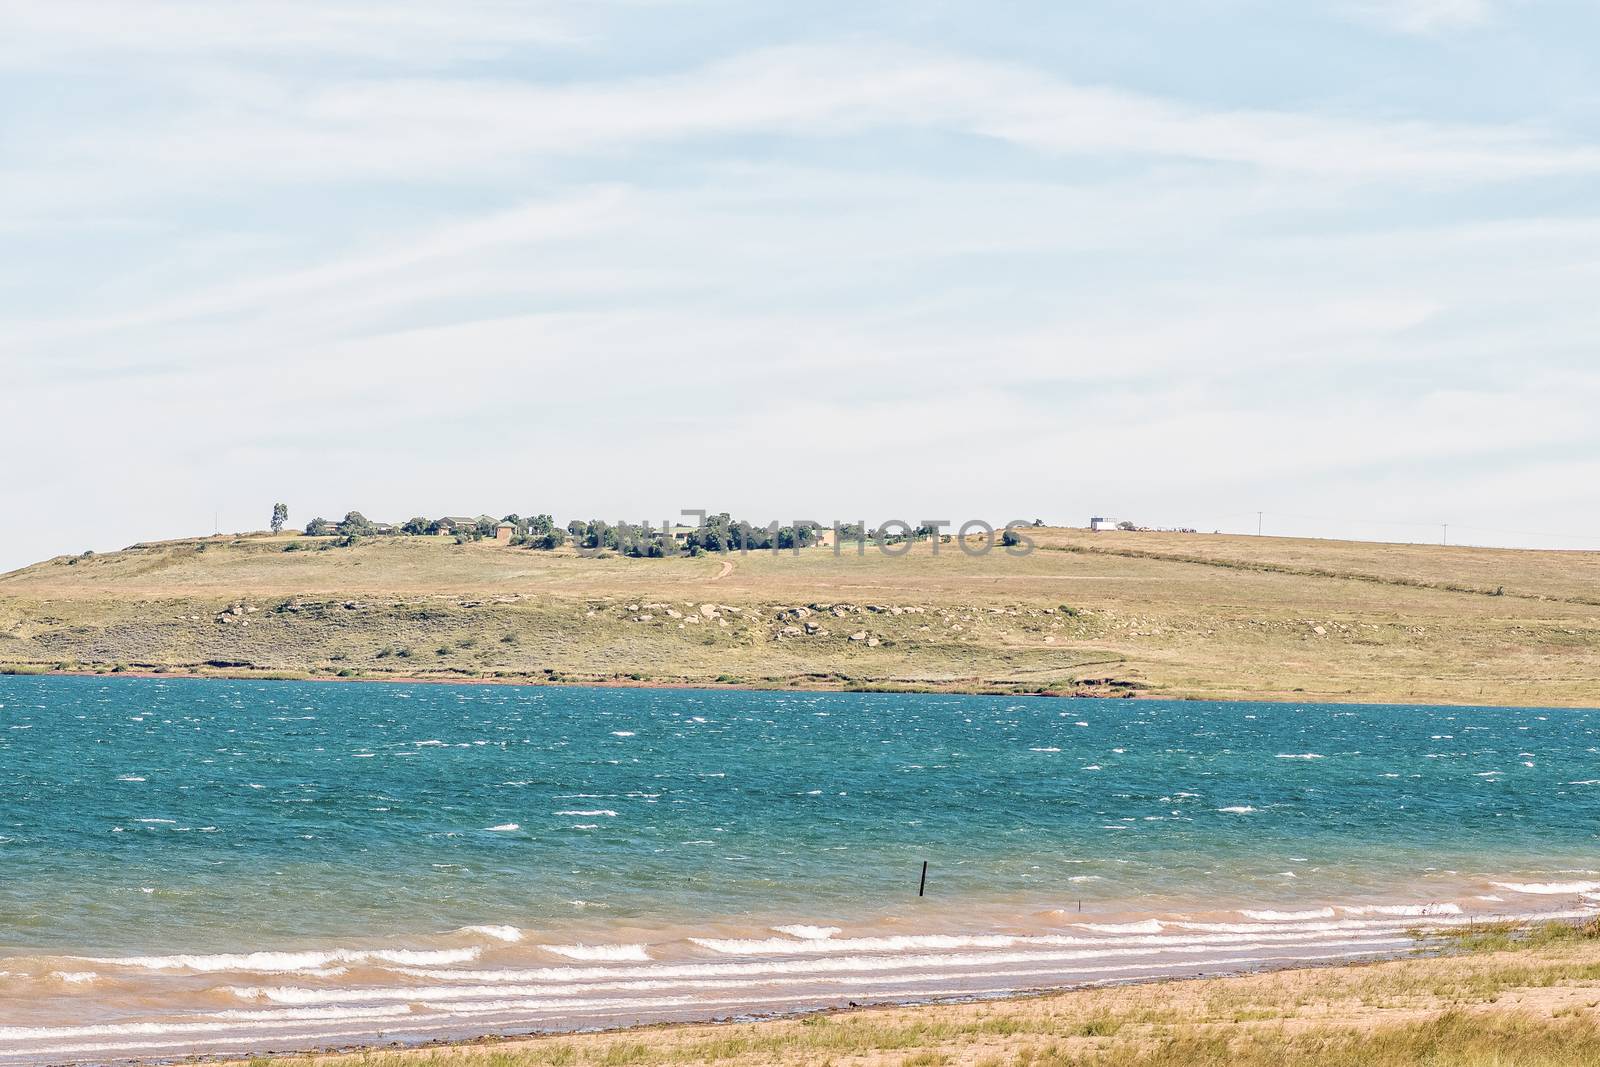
x: 599, y: 952
x: 1287, y: 916
x: 607, y: 812
x: 1144, y: 934
x: 500, y: 933
x: 553, y: 982
x: 504, y: 827
x: 1548, y: 888
x: 783, y: 946
x: 222, y: 1023
x: 1300, y: 755
x: 371, y: 1011
x: 288, y: 962
x: 808, y: 933
x: 1238, y: 809
x: 1146, y: 926
x: 1415, y: 910
x: 1391, y: 923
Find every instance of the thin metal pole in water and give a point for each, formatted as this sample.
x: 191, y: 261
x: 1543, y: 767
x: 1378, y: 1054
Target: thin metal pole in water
x: 923, y: 885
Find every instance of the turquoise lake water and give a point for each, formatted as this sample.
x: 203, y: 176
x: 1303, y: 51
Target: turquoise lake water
x: 141, y: 814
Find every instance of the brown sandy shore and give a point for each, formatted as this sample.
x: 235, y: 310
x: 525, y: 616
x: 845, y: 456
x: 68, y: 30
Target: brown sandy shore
x: 1496, y: 1000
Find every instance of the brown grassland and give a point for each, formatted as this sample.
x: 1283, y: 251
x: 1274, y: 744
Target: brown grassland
x: 1502, y: 1000
x: 1174, y: 615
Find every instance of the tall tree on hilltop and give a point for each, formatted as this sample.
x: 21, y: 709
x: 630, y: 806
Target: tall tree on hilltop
x: 280, y: 515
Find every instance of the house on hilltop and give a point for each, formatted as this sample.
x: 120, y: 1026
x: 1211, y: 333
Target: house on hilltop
x: 503, y: 533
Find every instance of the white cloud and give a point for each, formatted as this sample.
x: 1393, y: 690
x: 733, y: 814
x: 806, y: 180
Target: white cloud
x: 1426, y: 16
x: 416, y: 31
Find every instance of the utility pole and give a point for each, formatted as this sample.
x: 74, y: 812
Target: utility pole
x: 1446, y: 534
x: 1258, y: 523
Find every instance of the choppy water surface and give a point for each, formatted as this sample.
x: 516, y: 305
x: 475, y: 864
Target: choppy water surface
x: 204, y: 865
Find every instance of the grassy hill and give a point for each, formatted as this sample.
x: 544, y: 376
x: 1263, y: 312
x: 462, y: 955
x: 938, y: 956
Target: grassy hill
x: 1110, y: 613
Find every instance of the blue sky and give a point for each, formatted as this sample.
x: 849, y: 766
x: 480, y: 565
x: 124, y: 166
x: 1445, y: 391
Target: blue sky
x: 1334, y: 260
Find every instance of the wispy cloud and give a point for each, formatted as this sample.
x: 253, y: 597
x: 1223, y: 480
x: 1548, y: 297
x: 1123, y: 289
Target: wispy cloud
x: 451, y: 127
x: 1425, y: 16
x: 415, y: 31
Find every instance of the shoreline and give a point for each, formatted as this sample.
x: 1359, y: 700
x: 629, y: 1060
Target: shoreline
x: 1550, y: 974
x: 711, y: 685
x: 500, y: 1042
x: 540, y: 1004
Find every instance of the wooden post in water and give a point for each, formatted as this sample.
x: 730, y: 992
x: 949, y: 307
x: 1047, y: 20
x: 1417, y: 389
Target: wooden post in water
x: 924, y: 883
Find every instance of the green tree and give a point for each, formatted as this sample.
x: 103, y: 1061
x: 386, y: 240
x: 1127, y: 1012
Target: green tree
x: 356, y: 524
x: 280, y: 515
x: 319, y: 527
x: 599, y: 534
x: 416, y: 526
x: 549, y: 539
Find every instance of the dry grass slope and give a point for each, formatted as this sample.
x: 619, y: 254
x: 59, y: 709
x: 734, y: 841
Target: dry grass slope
x: 1103, y: 614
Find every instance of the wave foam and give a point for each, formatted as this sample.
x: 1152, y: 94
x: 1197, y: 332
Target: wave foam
x: 1412, y: 910
x: 1287, y: 916
x: 574, y: 981
x: 808, y: 933
x: 1147, y: 926
x: 630, y: 953
x: 289, y: 962
x: 1548, y: 888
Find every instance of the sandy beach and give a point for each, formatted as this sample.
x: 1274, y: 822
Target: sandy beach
x: 1496, y: 1002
